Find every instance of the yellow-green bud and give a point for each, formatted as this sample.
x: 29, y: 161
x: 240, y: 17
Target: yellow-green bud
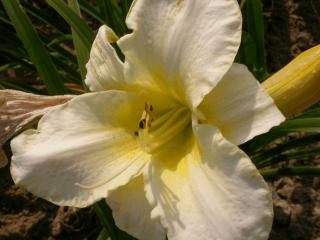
x: 296, y: 86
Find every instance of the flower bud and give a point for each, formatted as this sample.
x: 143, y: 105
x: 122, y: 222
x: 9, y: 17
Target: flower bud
x: 296, y: 86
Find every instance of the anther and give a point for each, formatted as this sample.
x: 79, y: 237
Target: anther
x: 142, y: 124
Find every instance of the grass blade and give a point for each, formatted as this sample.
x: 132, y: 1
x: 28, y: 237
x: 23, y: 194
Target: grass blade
x: 105, y: 215
x: 255, y: 23
x: 112, y: 14
x: 300, y: 125
x: 310, y: 114
x: 296, y: 155
x: 81, y: 50
x: 103, y: 235
x: 301, y: 171
x: 304, y: 141
x: 44, y: 17
x: 34, y: 47
x: 125, y: 6
x: 91, y: 10
x: 311, y: 124
x: 247, y: 51
x: 78, y: 24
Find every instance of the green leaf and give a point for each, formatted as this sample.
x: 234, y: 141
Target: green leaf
x: 300, y: 125
x: 81, y: 51
x: 34, y: 47
x: 91, y: 10
x: 310, y: 113
x: 242, y: 3
x: 294, y: 125
x: 255, y: 24
x: 57, y: 46
x: 71, y: 74
x: 112, y: 15
x: 300, y: 142
x: 78, y: 24
x: 247, y: 51
x: 125, y: 6
x: 5, y: 83
x: 296, y: 155
x: 301, y: 171
x: 105, y: 215
x: 103, y: 235
x: 7, y: 66
x: 44, y: 17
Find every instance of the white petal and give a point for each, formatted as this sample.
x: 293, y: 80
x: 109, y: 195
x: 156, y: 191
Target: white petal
x: 240, y: 107
x: 104, y: 69
x: 214, y: 192
x: 19, y: 109
x: 131, y: 211
x: 81, y: 149
x: 183, y: 47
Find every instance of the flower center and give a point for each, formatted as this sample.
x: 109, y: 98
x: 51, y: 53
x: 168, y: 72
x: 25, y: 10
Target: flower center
x: 156, y: 130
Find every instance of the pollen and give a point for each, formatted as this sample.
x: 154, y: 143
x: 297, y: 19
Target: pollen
x: 155, y: 129
x: 142, y: 123
x: 146, y: 120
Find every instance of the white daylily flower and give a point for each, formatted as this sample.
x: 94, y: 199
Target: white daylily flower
x: 160, y: 138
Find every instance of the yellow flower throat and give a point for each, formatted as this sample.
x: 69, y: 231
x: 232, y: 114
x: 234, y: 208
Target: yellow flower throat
x: 156, y: 131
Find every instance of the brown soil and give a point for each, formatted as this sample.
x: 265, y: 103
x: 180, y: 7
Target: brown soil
x: 297, y: 208
x: 23, y: 216
x: 291, y: 27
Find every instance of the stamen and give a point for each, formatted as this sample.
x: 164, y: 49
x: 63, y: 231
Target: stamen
x: 142, y: 124
x: 147, y: 117
x: 146, y: 107
x: 165, y: 127
x: 155, y: 132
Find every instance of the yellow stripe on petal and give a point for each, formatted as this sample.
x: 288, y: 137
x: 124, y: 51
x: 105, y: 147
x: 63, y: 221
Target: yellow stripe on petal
x: 212, y: 192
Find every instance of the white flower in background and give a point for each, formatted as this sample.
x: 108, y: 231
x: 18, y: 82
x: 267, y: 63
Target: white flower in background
x: 159, y: 135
